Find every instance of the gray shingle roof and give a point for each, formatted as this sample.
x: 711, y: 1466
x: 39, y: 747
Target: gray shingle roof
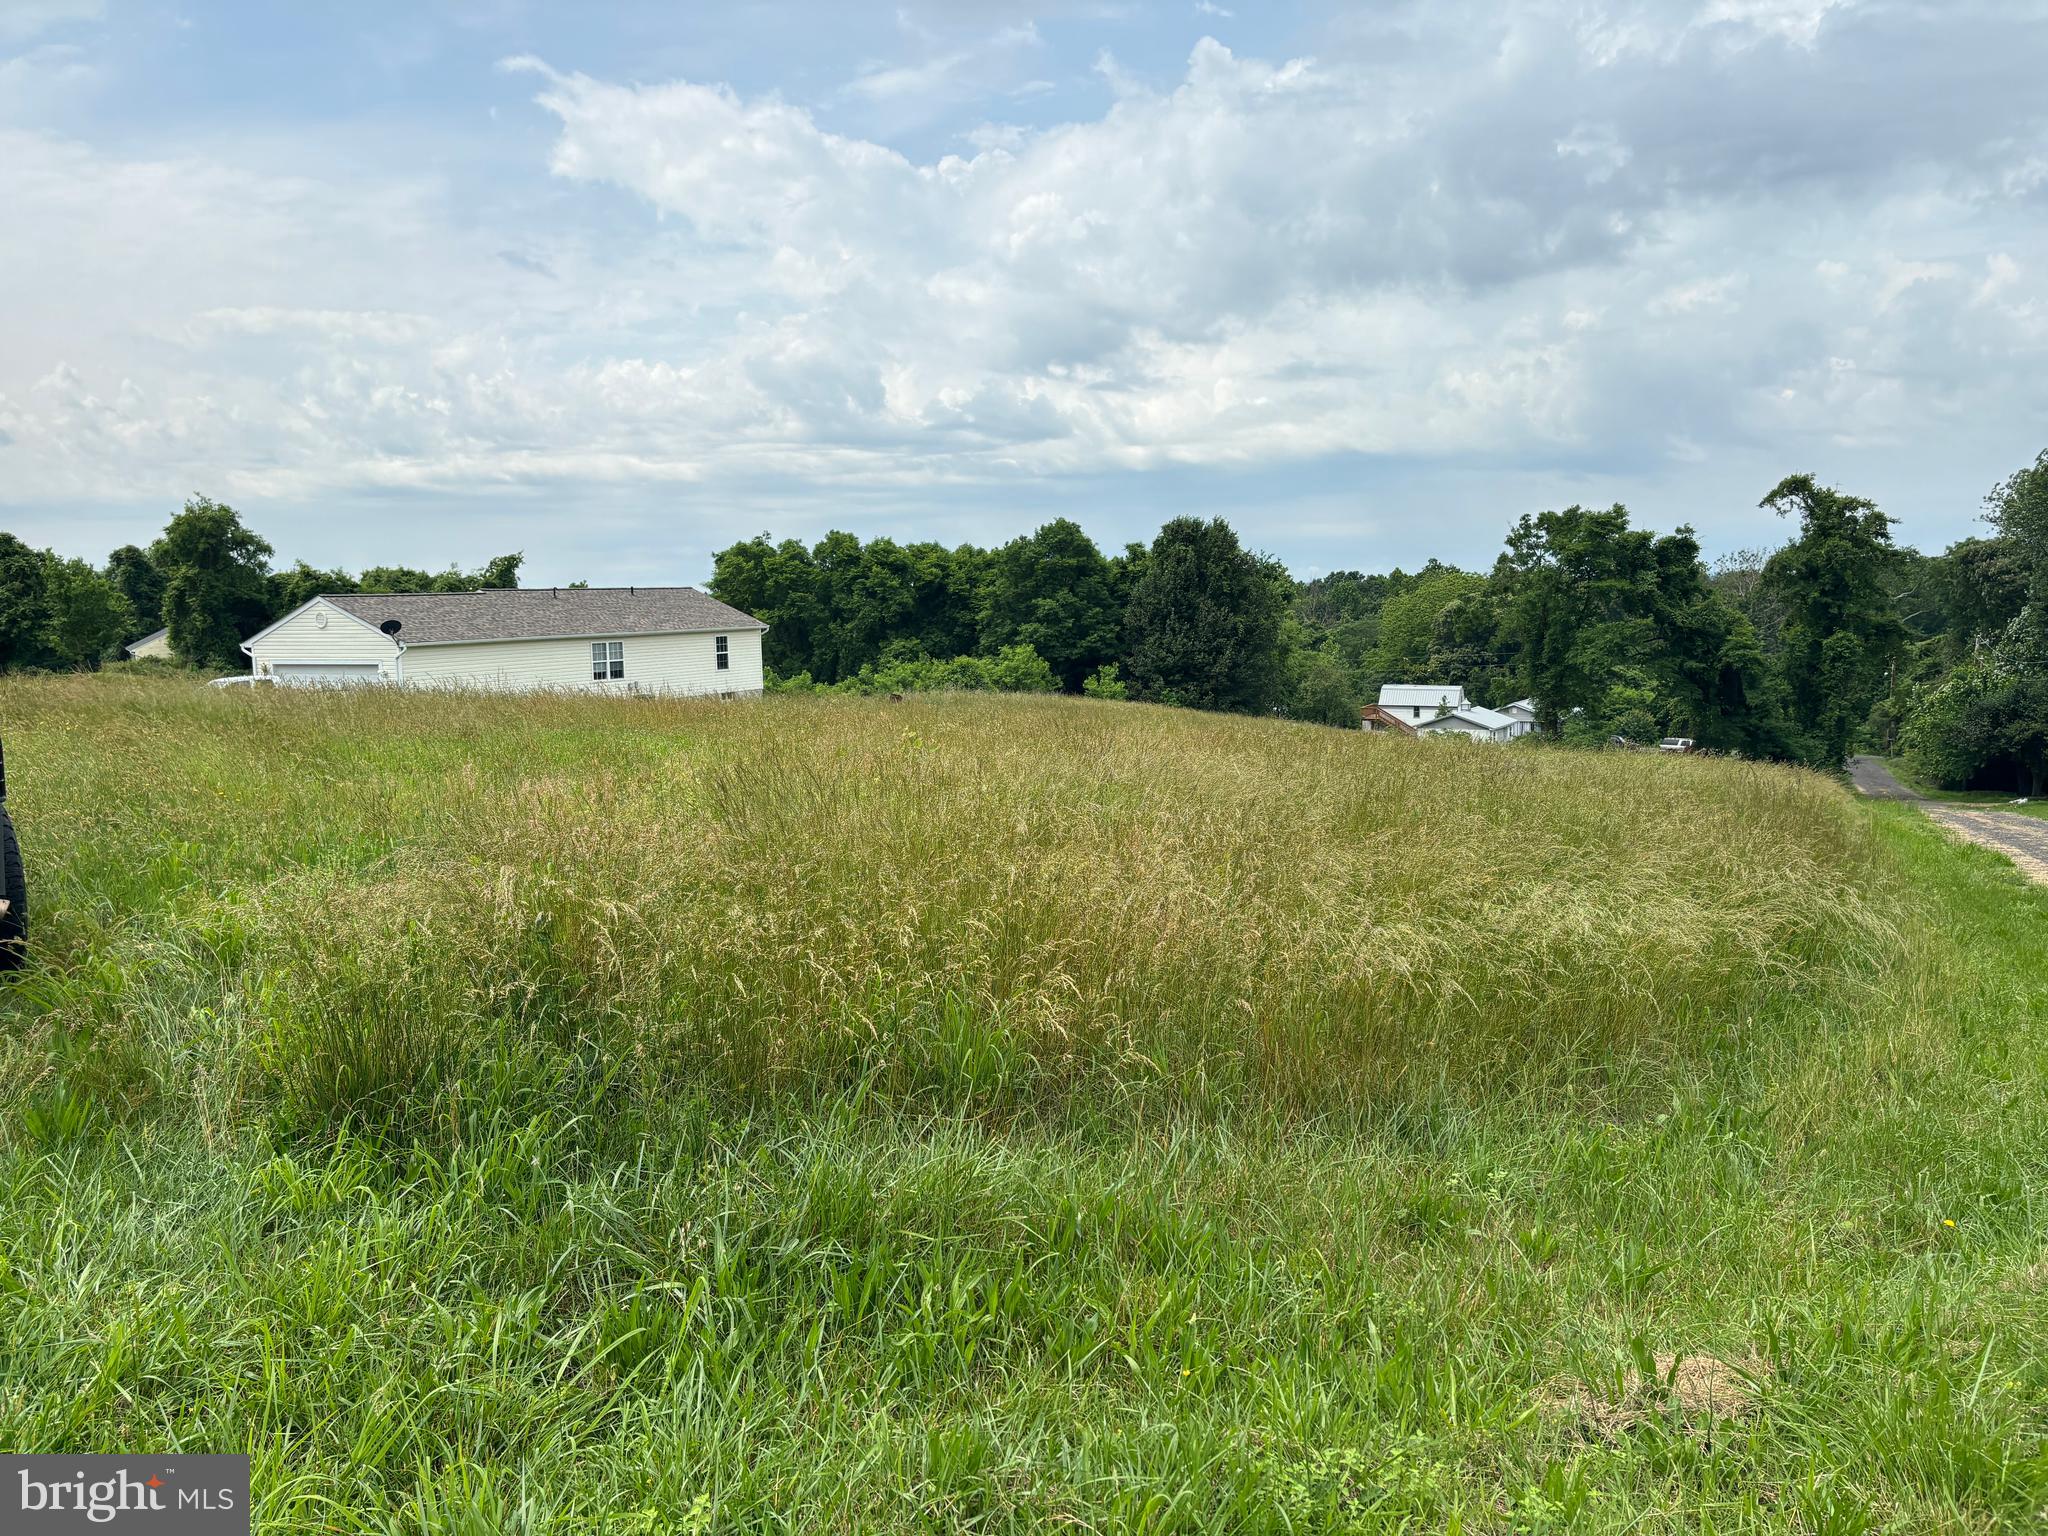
x: 542, y: 613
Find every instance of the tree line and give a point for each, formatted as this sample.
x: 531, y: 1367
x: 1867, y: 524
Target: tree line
x: 208, y: 580
x: 1839, y: 640
x: 1973, y: 712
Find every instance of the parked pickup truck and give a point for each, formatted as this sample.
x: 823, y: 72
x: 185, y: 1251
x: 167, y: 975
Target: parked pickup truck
x: 13, y: 886
x: 1675, y: 744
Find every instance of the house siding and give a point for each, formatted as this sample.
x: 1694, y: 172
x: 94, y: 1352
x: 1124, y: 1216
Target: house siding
x: 155, y: 648
x: 670, y: 664
x: 1446, y: 727
x: 1421, y: 701
x: 343, y: 641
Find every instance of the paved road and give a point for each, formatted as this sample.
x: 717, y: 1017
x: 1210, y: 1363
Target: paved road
x: 1874, y: 779
x: 2023, y: 839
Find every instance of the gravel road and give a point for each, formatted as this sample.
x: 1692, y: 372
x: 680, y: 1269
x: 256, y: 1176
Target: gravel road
x: 2023, y: 839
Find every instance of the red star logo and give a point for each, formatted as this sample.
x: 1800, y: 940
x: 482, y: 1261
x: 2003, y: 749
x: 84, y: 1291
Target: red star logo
x: 155, y: 1481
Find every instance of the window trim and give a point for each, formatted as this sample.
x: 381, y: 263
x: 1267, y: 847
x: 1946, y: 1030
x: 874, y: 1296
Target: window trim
x: 607, y: 661
x: 721, y: 651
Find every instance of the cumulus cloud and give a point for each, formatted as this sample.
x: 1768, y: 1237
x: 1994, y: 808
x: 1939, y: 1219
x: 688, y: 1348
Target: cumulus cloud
x: 1620, y: 237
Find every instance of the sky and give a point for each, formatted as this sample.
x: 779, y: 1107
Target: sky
x: 617, y: 285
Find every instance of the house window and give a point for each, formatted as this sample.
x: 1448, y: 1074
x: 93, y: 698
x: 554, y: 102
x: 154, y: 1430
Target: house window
x: 607, y: 660
x: 1418, y: 711
x: 724, y: 660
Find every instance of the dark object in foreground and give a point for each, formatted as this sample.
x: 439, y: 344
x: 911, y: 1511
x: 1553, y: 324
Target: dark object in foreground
x: 13, y: 886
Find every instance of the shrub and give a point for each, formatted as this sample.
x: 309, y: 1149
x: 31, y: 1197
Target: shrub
x: 1020, y: 669
x: 1103, y: 683
x: 1013, y: 669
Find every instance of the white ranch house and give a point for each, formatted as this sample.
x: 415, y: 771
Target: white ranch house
x: 1474, y: 721
x: 666, y: 640
x: 1412, y: 703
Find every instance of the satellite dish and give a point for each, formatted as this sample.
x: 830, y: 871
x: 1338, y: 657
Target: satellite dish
x: 391, y: 627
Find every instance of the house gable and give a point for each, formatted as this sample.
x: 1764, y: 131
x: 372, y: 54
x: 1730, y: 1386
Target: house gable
x: 334, y: 614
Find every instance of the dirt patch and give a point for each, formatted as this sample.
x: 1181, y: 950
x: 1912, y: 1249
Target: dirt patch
x: 1699, y: 1390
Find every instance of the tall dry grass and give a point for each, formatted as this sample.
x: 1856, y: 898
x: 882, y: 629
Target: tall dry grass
x: 1011, y: 898
x: 557, y: 1116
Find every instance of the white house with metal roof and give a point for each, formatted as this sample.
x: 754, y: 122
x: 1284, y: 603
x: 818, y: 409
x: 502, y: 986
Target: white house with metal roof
x: 1472, y: 720
x: 1523, y: 713
x: 1413, y: 703
x: 1436, y: 709
x: 666, y: 640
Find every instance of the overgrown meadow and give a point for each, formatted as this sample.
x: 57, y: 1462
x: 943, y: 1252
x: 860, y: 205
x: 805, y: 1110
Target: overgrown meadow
x: 1009, y: 1113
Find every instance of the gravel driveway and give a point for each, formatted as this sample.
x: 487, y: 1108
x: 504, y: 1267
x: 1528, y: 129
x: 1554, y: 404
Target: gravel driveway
x: 2023, y: 839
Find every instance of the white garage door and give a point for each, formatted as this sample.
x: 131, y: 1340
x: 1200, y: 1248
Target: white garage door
x: 326, y: 674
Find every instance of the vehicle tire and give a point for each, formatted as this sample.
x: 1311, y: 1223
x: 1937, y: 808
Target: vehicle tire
x: 14, y: 885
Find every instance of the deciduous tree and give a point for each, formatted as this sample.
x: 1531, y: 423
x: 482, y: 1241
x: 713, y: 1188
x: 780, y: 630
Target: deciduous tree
x: 1842, y: 630
x: 24, y: 606
x: 216, y: 591
x: 1053, y: 591
x: 89, y: 618
x: 141, y: 584
x: 1204, y: 621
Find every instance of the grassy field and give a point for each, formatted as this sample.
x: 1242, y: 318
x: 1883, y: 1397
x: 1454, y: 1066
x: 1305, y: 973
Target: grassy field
x: 1009, y: 1114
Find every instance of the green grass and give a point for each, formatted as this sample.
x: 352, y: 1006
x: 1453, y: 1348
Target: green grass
x: 1989, y: 799
x: 1009, y: 1114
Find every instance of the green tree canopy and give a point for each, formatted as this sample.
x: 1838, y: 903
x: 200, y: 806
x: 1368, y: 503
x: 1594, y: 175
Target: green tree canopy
x: 2019, y: 508
x: 1473, y: 644
x: 1053, y: 591
x: 141, y: 585
x: 89, y: 618
x: 777, y: 584
x: 1204, y: 621
x: 1408, y: 622
x: 1622, y: 625
x: 302, y: 583
x: 1584, y: 595
x: 24, y: 606
x: 1979, y: 586
x: 865, y: 597
x: 501, y: 572
x: 1323, y: 691
x: 1842, y: 630
x: 55, y: 612
x: 216, y: 587
x: 1986, y: 724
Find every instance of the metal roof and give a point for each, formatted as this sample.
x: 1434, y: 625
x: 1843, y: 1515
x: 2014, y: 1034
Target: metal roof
x: 1473, y: 714
x: 542, y: 613
x: 1426, y: 695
